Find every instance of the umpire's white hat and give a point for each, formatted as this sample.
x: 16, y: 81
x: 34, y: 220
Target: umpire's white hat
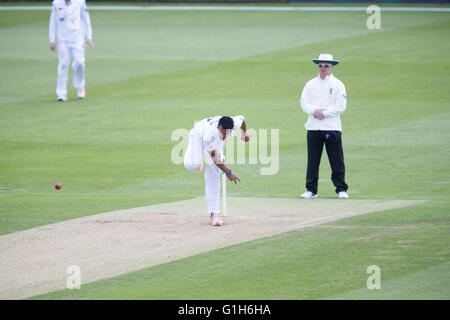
x: 325, y: 57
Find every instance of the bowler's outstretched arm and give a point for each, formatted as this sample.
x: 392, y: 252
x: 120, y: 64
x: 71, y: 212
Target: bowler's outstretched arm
x: 231, y: 176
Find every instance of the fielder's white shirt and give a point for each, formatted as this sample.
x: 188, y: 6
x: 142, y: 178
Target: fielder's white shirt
x: 70, y: 22
x: 211, y: 135
x: 328, y: 94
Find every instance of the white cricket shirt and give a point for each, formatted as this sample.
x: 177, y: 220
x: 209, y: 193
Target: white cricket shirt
x: 328, y: 94
x: 70, y: 21
x: 207, y: 129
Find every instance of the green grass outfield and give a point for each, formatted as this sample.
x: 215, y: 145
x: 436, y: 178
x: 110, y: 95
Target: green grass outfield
x: 154, y: 72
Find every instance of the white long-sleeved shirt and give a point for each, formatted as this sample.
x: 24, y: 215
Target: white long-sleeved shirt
x: 70, y: 21
x: 328, y: 94
x: 207, y: 128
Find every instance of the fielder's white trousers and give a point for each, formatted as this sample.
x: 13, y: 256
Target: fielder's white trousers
x: 66, y: 51
x: 193, y: 159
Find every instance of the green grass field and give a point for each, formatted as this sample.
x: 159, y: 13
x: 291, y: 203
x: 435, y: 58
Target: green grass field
x: 154, y: 72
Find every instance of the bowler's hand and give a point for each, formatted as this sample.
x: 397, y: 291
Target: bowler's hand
x: 232, y: 177
x: 90, y: 43
x: 318, y: 114
x: 53, y: 46
x: 245, y: 137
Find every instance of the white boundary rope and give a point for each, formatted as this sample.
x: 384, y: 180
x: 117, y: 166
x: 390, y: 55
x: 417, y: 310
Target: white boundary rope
x: 231, y: 8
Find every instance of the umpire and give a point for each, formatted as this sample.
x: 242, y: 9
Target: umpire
x: 324, y: 99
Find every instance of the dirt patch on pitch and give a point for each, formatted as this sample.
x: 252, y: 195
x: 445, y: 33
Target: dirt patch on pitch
x: 35, y: 261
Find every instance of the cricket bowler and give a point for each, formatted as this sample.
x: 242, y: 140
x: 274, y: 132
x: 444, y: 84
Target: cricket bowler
x: 208, y: 138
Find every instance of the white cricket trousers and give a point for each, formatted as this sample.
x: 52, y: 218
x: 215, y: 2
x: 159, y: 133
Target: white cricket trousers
x: 67, y: 51
x: 193, y: 159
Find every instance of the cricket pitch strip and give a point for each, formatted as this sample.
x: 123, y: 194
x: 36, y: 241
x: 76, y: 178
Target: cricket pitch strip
x: 35, y: 261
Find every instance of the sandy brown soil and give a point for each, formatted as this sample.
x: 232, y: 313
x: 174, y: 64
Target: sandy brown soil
x: 35, y: 261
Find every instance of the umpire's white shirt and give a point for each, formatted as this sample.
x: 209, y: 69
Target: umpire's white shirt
x: 70, y: 22
x: 328, y: 94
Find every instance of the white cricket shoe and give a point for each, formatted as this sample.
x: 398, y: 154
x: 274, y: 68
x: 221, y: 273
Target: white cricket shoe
x: 216, y: 219
x: 342, y: 195
x: 81, y: 94
x: 308, y: 195
x: 62, y: 98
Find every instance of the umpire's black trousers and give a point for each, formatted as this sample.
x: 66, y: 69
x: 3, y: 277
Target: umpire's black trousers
x: 333, y: 144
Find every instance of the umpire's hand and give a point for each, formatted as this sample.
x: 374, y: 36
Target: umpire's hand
x: 318, y: 114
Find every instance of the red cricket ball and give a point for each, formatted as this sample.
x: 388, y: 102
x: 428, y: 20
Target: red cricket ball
x: 58, y: 186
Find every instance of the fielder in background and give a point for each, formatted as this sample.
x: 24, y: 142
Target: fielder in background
x: 70, y: 25
x: 208, y: 138
x: 324, y: 99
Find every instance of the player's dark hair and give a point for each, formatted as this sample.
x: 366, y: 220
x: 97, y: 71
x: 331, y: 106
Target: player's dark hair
x: 226, y: 123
